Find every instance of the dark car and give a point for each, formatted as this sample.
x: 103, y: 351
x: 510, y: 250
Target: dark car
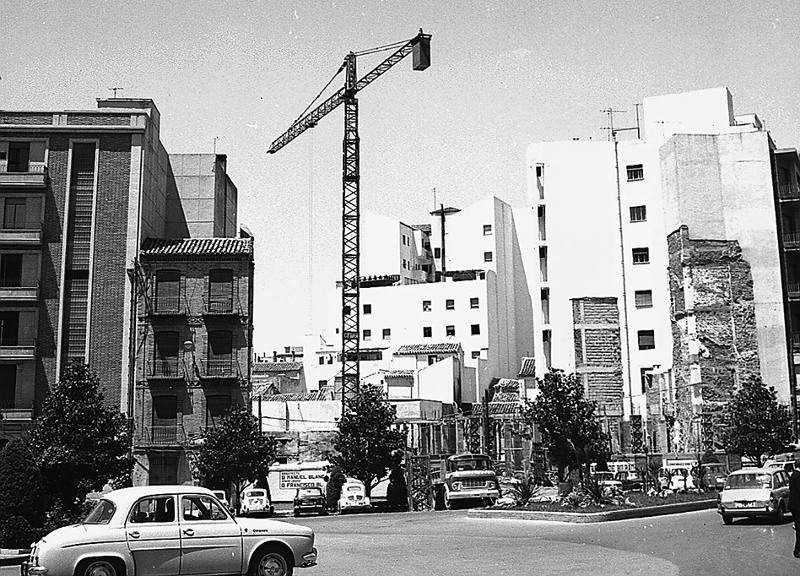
x: 630, y: 480
x: 310, y: 500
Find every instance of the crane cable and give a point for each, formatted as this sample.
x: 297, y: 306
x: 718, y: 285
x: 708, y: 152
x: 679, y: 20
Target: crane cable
x: 381, y: 48
x: 339, y: 71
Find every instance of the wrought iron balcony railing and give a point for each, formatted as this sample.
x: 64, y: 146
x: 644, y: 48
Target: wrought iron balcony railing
x: 166, y: 368
x: 161, y: 435
x: 220, y: 368
x: 788, y: 191
x: 168, y: 306
x: 222, y: 305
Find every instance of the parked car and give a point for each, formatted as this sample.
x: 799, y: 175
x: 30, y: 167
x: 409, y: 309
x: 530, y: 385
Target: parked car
x: 714, y: 475
x: 256, y: 501
x: 607, y: 480
x: 675, y: 477
x: 222, y: 497
x: 132, y: 529
x: 353, y: 496
x: 310, y: 499
x: 754, y: 492
x: 788, y: 465
x: 631, y: 480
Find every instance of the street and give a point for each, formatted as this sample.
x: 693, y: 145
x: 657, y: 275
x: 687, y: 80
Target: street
x: 450, y: 543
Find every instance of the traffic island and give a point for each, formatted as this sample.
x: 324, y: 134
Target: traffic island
x: 577, y: 517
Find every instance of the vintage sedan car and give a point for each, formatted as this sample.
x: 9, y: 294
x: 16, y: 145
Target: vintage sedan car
x: 310, y: 499
x: 754, y: 492
x: 353, y: 497
x: 256, y: 501
x: 170, y: 530
x: 607, y: 480
x: 714, y: 475
x: 630, y: 481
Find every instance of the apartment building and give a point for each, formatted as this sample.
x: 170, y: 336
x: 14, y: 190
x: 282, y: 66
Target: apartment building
x: 471, y: 290
x: 633, y: 225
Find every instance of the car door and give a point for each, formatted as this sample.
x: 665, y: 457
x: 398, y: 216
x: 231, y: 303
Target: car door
x: 153, y: 536
x: 211, y: 540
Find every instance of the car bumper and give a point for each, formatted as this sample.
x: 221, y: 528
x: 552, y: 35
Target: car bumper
x: 472, y: 494
x: 746, y: 512
x: 309, y: 559
x: 25, y: 569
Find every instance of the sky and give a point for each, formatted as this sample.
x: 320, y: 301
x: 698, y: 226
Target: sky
x: 232, y: 76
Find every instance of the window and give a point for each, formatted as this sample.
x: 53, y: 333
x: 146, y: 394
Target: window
x: 641, y: 255
x: 432, y: 359
x: 8, y: 385
x: 11, y: 270
x: 635, y: 172
x: 367, y: 334
x: 638, y: 213
x: 644, y: 298
x: 201, y: 508
x: 367, y: 309
x: 450, y: 330
x: 475, y: 329
x: 158, y: 509
x: 437, y: 252
x: 9, y: 328
x: 427, y: 332
x: 168, y: 284
x: 404, y: 263
x: 487, y: 256
x: 474, y: 303
x: 165, y: 360
x: 216, y: 406
x: 220, y: 291
x: 321, y: 360
x: 387, y: 333
x: 18, y: 156
x: 487, y: 229
x: 476, y: 354
x: 450, y: 304
x: 220, y: 353
x: 647, y: 339
x: 647, y: 379
x: 14, y: 214
x: 165, y: 420
x: 426, y: 305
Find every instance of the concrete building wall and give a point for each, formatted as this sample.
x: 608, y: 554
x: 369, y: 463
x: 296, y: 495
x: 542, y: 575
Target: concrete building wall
x: 721, y: 188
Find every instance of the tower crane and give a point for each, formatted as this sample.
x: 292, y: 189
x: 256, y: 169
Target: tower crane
x: 419, y: 45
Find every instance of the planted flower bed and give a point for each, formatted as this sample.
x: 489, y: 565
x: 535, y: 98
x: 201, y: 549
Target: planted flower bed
x: 572, y: 503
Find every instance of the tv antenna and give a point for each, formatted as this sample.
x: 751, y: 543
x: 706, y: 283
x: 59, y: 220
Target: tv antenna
x: 114, y: 90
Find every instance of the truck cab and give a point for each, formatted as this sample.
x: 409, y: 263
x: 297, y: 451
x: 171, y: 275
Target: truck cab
x: 468, y: 478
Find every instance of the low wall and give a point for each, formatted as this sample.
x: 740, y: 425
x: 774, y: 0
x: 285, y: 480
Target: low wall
x: 587, y: 517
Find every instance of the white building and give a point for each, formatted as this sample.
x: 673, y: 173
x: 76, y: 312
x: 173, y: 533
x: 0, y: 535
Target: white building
x: 482, y: 302
x: 604, y: 211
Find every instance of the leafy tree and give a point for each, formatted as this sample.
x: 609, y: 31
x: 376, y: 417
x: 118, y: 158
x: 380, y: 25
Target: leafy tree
x: 757, y: 424
x: 567, y: 421
x: 79, y: 443
x: 20, y: 484
x: 367, y: 438
x: 236, y: 453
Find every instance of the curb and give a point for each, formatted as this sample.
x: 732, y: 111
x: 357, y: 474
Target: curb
x: 589, y: 517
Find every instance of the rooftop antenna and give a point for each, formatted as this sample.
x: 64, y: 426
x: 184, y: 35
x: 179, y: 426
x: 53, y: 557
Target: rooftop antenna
x: 443, y: 212
x: 612, y: 131
x: 215, y: 143
x: 434, y: 197
x: 114, y: 90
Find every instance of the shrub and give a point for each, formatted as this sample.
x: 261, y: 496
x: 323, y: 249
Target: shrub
x: 16, y: 532
x: 20, y: 484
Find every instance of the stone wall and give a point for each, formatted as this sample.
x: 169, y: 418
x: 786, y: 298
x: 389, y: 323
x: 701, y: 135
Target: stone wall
x: 713, y: 326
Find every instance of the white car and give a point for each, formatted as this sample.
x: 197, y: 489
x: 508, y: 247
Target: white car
x: 256, y: 501
x: 754, y: 492
x: 137, y: 532
x: 353, y: 496
x: 607, y: 480
x: 222, y: 497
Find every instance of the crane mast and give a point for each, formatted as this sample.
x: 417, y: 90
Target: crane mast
x: 420, y: 47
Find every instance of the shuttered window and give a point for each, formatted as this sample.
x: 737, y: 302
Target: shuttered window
x: 216, y: 407
x: 14, y: 215
x: 220, y: 291
x: 168, y: 291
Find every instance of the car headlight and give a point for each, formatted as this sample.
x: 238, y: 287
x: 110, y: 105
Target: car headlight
x: 490, y: 484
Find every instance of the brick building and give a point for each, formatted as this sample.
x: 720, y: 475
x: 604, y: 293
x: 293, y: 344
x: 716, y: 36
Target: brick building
x: 194, y: 342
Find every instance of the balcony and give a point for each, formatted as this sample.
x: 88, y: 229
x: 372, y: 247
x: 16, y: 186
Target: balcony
x: 221, y: 306
x: 788, y: 192
x: 220, y: 369
x: 11, y: 290
x: 793, y: 288
x: 796, y: 341
x: 30, y: 175
x: 15, y: 419
x: 21, y: 236
x: 171, y: 435
x: 791, y: 240
x: 18, y: 349
x: 165, y: 369
x: 168, y: 306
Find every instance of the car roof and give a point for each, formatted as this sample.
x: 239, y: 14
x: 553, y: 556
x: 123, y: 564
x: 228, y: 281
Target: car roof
x: 756, y: 471
x: 124, y: 498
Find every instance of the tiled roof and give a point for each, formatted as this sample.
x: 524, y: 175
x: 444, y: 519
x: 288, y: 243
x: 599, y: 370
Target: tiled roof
x: 505, y: 402
x: 313, y: 396
x: 198, y: 247
x: 414, y: 349
x: 261, y: 367
x: 528, y: 368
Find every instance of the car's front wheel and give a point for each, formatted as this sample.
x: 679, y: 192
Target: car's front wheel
x: 271, y: 562
x: 727, y: 520
x: 98, y: 567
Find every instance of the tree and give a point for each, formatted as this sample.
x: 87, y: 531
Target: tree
x: 367, y: 438
x: 567, y: 421
x: 79, y: 443
x: 757, y: 424
x: 236, y: 453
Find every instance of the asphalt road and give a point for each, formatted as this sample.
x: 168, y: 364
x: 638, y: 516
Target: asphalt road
x: 450, y: 543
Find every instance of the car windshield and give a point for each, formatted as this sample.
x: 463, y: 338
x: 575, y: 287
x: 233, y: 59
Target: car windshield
x: 255, y: 494
x: 753, y: 480
x: 474, y: 464
x: 309, y: 492
x: 101, y: 513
